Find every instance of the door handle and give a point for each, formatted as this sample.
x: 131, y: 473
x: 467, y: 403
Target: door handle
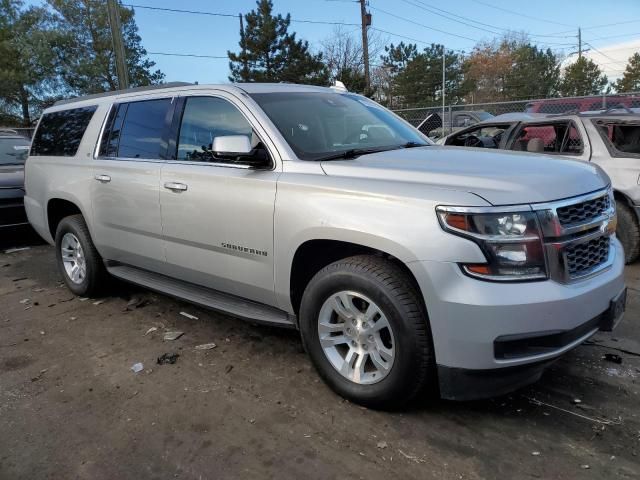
x: 103, y: 178
x: 175, y: 186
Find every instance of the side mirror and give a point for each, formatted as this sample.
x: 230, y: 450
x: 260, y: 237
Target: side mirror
x: 231, y: 146
x: 238, y: 148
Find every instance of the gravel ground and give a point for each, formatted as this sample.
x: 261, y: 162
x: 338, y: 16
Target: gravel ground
x: 71, y: 407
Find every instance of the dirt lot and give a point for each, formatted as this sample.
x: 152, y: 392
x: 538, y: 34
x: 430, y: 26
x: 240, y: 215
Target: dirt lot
x: 70, y: 406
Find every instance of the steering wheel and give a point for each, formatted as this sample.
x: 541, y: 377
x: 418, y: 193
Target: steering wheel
x: 353, y: 138
x: 473, y: 141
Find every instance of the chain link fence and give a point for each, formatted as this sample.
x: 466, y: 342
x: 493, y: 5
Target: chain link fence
x: 429, y: 119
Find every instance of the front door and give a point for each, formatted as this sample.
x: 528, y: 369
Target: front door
x: 217, y: 214
x: 126, y: 193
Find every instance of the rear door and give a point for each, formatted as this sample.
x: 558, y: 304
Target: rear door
x: 126, y: 193
x: 551, y: 137
x: 217, y: 214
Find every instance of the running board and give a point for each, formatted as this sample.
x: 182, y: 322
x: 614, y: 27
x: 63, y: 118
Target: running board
x: 204, y: 297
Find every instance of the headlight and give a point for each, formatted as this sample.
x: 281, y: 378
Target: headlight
x: 510, y: 241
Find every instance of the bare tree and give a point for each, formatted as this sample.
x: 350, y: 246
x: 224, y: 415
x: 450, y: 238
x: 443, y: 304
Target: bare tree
x: 342, y: 53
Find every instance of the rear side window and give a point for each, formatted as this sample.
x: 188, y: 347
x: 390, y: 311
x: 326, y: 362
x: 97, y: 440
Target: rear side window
x: 622, y: 138
x: 136, y: 130
x: 59, y: 133
x: 560, y: 138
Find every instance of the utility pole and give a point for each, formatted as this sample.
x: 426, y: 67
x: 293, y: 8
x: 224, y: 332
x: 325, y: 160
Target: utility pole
x: 579, y: 43
x: 118, y: 44
x: 366, y: 21
x: 245, y: 64
x: 444, y: 76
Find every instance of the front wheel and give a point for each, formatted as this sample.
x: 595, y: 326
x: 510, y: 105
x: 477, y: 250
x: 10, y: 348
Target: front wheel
x: 628, y: 232
x: 78, y: 260
x: 366, y: 331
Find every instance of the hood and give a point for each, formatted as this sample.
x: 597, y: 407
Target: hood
x: 500, y: 177
x: 11, y: 176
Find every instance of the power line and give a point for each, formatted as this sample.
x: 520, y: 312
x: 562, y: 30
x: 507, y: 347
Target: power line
x: 520, y: 14
x: 228, y: 15
x: 593, y: 27
x: 430, y: 8
x: 617, y: 36
x: 424, y: 26
x: 619, y: 62
x: 187, y: 55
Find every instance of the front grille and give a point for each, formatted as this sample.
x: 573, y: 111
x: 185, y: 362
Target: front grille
x: 585, y: 256
x: 584, y: 211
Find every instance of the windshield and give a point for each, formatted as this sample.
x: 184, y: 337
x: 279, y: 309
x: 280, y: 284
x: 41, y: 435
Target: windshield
x: 13, y: 151
x: 318, y: 125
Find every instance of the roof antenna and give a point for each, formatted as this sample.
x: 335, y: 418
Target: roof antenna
x: 339, y: 86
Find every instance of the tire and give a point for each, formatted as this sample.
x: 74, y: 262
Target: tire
x: 628, y: 232
x: 365, y: 280
x: 95, y: 277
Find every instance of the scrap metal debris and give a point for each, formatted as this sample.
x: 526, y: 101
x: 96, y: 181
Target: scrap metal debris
x: 170, y: 336
x: 601, y: 421
x: 14, y: 250
x: 168, y: 358
x: 189, y: 316
x: 382, y: 445
x: 137, y: 367
x: 612, y: 357
x: 151, y: 330
x: 136, y: 302
x: 206, y: 346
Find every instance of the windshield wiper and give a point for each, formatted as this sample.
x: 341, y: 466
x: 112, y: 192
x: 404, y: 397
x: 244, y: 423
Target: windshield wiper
x: 351, y: 154
x: 414, y: 144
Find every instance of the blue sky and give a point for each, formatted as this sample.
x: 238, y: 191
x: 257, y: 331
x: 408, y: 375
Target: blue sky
x: 610, y: 46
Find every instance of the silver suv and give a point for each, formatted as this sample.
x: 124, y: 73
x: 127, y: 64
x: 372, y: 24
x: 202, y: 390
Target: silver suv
x: 406, y: 267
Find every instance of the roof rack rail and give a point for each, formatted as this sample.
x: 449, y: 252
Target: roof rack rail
x: 118, y: 92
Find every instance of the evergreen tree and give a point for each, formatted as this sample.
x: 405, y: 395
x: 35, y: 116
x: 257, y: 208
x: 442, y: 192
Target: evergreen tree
x: 28, y: 53
x: 268, y: 53
x: 534, y: 74
x: 630, y: 81
x: 417, y: 75
x: 88, y: 61
x: 583, y: 77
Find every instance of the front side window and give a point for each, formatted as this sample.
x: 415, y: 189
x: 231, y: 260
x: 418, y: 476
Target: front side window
x: 141, y: 134
x: 560, y: 138
x: 622, y: 138
x: 319, y: 125
x: 204, y: 119
x: 13, y: 151
x: 59, y: 133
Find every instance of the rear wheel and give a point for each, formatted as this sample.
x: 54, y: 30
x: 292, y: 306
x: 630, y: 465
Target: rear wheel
x: 78, y: 260
x: 628, y: 232
x: 366, y: 332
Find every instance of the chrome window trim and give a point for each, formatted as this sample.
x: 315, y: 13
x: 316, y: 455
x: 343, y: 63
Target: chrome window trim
x: 96, y: 150
x: 217, y: 164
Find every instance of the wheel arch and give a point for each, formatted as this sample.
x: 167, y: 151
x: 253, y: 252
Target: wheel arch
x: 59, y: 207
x: 314, y: 254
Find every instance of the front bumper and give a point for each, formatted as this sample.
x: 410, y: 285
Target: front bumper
x: 12, y: 213
x: 469, y: 317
